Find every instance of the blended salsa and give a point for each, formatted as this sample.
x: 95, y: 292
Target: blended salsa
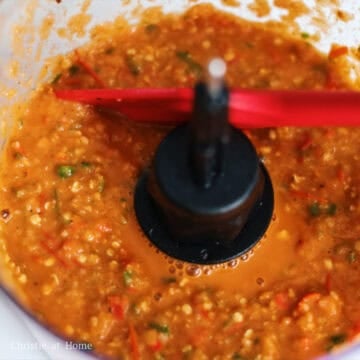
x: 89, y: 273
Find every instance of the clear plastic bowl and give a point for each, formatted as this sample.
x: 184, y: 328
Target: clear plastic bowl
x: 24, y: 49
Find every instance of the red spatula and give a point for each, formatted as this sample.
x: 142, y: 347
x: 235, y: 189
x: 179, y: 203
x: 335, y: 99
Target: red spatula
x: 248, y: 108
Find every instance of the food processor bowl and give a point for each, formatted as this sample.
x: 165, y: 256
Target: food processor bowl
x: 33, y: 31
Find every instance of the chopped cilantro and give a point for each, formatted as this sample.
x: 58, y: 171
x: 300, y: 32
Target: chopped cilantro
x: 159, y: 356
x: 314, y: 209
x: 109, y: 50
x: 305, y: 35
x: 20, y: 123
x: 132, y: 65
x: 335, y: 340
x: 18, y: 155
x: 161, y: 328
x: 237, y: 356
x: 128, y: 278
x: 101, y: 186
x: 73, y: 70
x: 65, y: 171
x: 331, y: 209
x: 85, y: 164
x: 150, y: 28
x: 56, y: 79
x: 193, y: 66
x: 352, y: 257
x: 169, y: 280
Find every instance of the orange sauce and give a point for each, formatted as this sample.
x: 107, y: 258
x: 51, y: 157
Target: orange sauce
x: 88, y: 272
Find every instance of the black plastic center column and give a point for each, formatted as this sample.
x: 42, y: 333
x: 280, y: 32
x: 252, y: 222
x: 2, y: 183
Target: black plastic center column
x: 207, y: 198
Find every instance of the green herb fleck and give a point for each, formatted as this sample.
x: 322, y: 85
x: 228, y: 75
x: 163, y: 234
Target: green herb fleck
x: 159, y: 356
x: 85, y: 164
x: 314, y: 209
x: 352, y: 257
x: 249, y: 45
x: 321, y: 67
x: 20, y: 123
x: 56, y: 79
x: 132, y: 65
x: 338, y: 339
x: 18, y: 155
x: 237, y: 356
x: 161, y: 328
x: 73, y: 70
x: 169, y: 280
x: 128, y: 278
x: 135, y: 309
x: 305, y: 35
x: 331, y: 209
x: 335, y: 340
x: 151, y: 28
x: 65, y: 171
x: 101, y: 186
x: 109, y: 50
x: 194, y: 66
